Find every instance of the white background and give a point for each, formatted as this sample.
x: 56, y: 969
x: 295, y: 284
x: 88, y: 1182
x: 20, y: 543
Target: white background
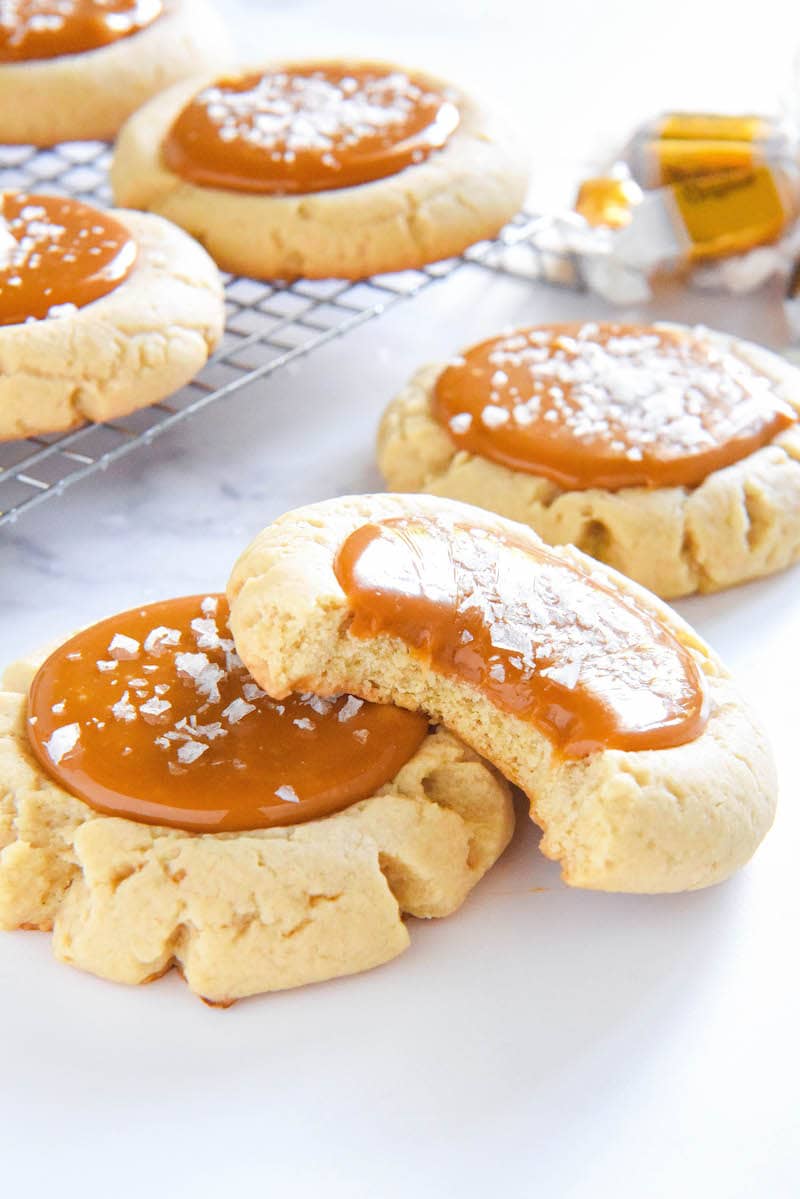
x: 543, y: 1042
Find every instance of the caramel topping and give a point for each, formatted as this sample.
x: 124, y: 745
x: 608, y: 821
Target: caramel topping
x: 41, y: 29
x: 32, y: 29
x: 151, y: 715
x: 540, y: 637
x: 308, y: 128
x: 608, y: 405
x: 55, y: 252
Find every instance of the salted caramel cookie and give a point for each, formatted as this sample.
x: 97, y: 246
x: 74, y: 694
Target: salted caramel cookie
x: 72, y: 70
x: 644, y: 767
x: 101, y: 312
x: 157, y: 809
x: 669, y: 453
x: 322, y: 169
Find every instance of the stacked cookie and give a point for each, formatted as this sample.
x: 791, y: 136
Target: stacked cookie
x: 257, y: 798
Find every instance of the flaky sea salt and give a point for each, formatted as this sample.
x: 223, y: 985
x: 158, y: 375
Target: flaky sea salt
x: 349, y: 708
x: 207, y: 682
x: 58, y: 311
x: 566, y: 674
x: 284, y: 114
x: 190, y: 751
x: 232, y: 660
x: 492, y: 416
x: 287, y: 793
x: 461, y: 422
x: 205, y: 632
x: 191, y: 666
x: 626, y: 389
x: 236, y: 710
x: 160, y: 639
x: 123, y: 709
x: 154, y: 709
x: 122, y: 648
x: 62, y: 741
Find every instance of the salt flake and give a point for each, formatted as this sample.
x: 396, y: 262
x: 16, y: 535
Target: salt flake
x: 62, y: 741
x: 236, y: 710
x: 123, y: 648
x: 190, y: 751
x: 349, y: 708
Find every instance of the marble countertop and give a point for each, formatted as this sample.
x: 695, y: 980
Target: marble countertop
x: 594, y: 1045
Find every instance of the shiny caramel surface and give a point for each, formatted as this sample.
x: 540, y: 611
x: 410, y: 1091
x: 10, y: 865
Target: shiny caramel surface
x: 54, y: 252
x: 38, y: 29
x: 151, y: 715
x: 308, y: 127
x: 541, y: 638
x: 608, y: 405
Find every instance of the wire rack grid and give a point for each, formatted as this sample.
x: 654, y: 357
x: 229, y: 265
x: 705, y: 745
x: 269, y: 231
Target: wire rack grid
x: 268, y: 325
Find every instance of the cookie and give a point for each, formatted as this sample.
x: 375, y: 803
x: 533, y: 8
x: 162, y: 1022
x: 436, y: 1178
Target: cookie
x: 74, y: 70
x: 644, y: 767
x: 101, y: 313
x: 527, y: 437
x: 322, y: 169
x: 239, y: 910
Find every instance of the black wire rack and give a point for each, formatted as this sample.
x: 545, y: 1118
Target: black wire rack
x: 268, y: 325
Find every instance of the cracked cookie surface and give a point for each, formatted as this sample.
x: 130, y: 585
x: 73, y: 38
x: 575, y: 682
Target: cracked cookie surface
x: 131, y: 348
x: 242, y: 913
x: 741, y: 522
x: 462, y: 193
x: 618, y: 820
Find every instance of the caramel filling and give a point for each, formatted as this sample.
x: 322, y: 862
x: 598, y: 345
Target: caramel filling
x: 31, y: 29
x: 608, y: 405
x: 308, y: 128
x: 540, y: 638
x: 151, y: 715
x: 55, y: 252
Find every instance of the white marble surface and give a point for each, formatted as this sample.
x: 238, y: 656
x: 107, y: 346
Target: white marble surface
x: 550, y: 1043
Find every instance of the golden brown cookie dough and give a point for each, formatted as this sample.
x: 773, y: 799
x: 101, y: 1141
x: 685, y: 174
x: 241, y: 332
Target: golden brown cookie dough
x: 88, y: 95
x: 740, y: 522
x: 649, y: 820
x: 429, y: 210
x: 142, y: 341
x: 246, y: 912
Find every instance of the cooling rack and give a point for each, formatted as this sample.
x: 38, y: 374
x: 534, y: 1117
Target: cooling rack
x: 267, y: 327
